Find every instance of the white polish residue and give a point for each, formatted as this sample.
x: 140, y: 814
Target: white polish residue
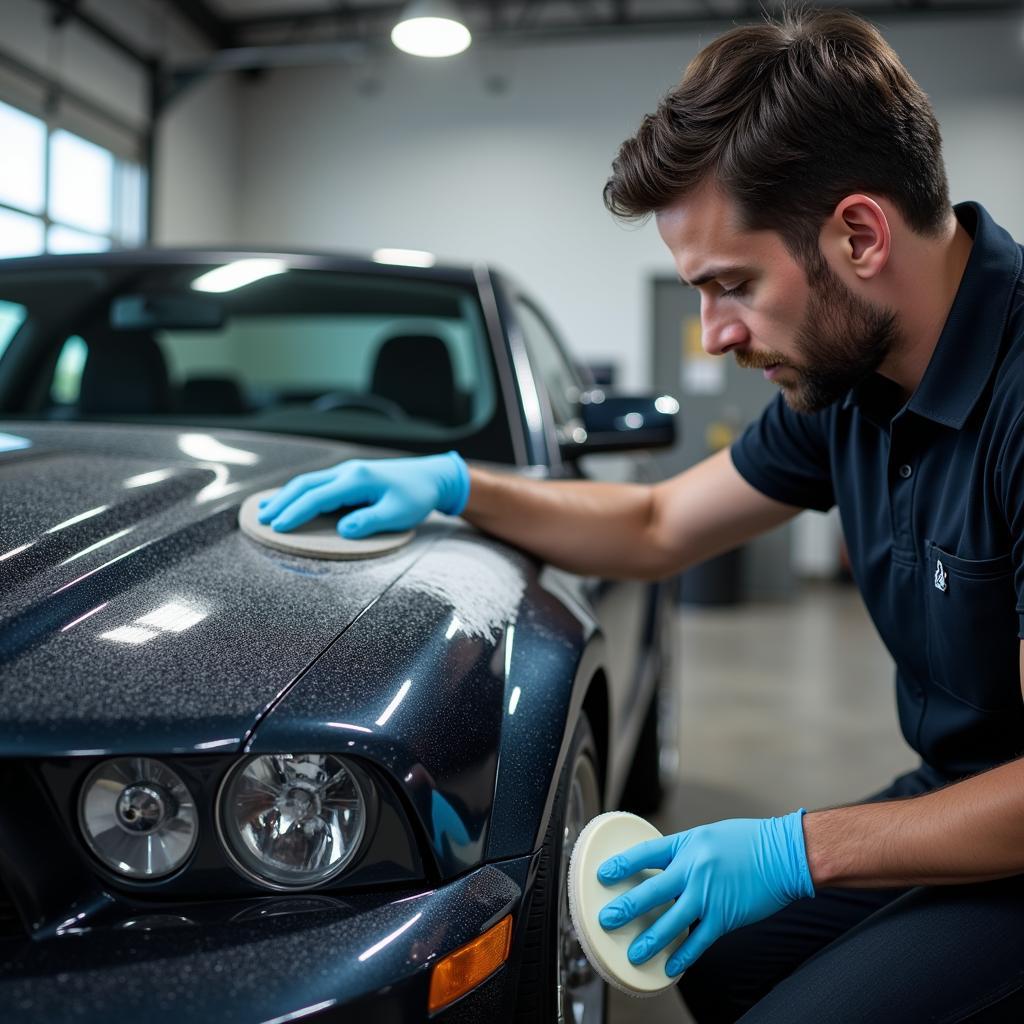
x: 480, y: 586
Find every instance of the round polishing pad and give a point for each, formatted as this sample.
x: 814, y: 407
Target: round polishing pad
x: 603, y: 837
x: 319, y: 538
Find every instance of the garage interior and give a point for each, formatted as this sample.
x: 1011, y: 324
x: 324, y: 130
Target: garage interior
x: 296, y: 123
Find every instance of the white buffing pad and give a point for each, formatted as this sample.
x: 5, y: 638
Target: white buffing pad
x: 603, y: 837
x: 319, y: 538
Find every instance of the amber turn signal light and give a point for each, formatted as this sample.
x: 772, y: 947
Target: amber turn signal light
x: 469, y: 965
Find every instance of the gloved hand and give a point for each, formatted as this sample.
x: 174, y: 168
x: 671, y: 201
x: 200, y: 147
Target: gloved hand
x: 726, y: 874
x: 400, y: 493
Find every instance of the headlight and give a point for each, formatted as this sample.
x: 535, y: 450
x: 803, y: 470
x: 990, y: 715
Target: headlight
x: 292, y: 820
x: 138, y: 817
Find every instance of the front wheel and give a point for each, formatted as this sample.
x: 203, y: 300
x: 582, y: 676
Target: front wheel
x: 557, y: 983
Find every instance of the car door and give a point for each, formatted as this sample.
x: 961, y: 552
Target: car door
x: 625, y: 608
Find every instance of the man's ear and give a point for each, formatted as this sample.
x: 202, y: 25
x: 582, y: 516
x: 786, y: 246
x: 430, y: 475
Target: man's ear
x: 856, y: 237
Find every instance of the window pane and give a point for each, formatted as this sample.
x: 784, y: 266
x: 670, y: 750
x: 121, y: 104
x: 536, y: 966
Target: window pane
x: 22, y: 143
x: 131, y: 212
x: 20, y: 235
x: 62, y: 239
x: 559, y: 378
x: 12, y: 316
x: 67, y: 374
x: 81, y: 183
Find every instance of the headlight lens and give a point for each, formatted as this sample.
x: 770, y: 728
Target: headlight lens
x: 293, y: 820
x: 138, y: 817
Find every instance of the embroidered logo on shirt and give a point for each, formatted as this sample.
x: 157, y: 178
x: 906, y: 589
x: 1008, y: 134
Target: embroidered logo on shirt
x: 940, y: 576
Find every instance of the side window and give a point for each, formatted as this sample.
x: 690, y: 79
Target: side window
x: 67, y: 374
x: 556, y: 374
x: 12, y: 316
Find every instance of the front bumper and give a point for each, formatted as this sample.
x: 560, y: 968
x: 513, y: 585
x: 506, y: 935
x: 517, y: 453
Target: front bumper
x: 371, y: 952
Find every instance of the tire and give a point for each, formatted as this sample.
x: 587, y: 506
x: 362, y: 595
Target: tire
x: 556, y: 983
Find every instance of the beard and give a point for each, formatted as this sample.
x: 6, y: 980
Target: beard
x: 841, y: 340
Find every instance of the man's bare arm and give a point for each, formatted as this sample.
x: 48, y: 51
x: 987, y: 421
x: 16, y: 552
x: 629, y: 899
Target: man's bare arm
x: 625, y: 531
x: 972, y: 831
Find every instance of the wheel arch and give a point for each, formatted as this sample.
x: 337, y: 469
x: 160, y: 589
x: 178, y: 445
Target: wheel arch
x: 532, y: 752
x: 596, y: 707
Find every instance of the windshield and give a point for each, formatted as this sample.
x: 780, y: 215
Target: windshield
x: 372, y: 357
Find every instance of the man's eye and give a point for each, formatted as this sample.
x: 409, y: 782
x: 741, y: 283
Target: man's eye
x: 740, y: 289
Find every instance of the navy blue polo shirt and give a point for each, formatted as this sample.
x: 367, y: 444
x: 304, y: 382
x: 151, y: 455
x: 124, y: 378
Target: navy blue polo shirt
x: 931, y: 496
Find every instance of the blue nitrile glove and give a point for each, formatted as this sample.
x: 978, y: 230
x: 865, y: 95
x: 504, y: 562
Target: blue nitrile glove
x: 399, y: 493
x: 726, y: 874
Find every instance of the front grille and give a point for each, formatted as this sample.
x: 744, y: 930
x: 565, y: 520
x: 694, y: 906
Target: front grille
x: 10, y: 923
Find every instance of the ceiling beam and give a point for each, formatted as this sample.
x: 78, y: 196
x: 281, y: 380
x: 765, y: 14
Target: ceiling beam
x: 214, y: 29
x: 483, y: 14
x: 69, y: 10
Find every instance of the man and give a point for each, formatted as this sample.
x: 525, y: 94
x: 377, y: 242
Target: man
x: 796, y: 176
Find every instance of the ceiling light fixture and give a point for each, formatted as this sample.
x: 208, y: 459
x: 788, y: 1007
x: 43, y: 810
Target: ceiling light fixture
x: 431, y: 28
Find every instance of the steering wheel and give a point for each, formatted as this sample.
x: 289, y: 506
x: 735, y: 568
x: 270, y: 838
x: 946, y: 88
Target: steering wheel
x: 332, y: 400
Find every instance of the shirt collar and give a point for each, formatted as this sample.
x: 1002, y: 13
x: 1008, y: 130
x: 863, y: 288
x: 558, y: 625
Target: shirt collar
x: 968, y: 347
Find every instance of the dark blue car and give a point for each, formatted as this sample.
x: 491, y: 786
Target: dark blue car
x: 243, y: 785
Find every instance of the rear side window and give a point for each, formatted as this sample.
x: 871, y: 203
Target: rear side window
x: 12, y: 316
x: 67, y: 373
x: 559, y: 378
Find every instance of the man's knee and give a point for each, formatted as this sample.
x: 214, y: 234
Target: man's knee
x: 743, y: 966
x: 725, y: 982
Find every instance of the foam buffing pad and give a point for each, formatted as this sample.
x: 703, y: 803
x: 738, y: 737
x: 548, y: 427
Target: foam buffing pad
x: 319, y: 538
x: 603, y: 837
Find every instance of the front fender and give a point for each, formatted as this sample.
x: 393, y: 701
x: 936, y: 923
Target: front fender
x: 460, y: 681
x: 418, y: 685
x: 557, y: 652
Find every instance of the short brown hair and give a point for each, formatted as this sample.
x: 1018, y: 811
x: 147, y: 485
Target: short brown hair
x: 789, y: 117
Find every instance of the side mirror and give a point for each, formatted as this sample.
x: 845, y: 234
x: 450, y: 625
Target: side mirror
x: 621, y: 423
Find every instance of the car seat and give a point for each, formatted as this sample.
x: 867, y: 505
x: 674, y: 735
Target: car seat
x: 124, y: 374
x: 415, y: 371
x: 213, y: 395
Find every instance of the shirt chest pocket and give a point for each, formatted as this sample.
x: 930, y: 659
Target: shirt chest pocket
x: 972, y: 624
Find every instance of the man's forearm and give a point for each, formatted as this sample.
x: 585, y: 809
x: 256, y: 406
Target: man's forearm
x: 588, y: 527
x: 971, y: 831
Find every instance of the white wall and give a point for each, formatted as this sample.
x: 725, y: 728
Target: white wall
x: 404, y: 152
x: 198, y: 167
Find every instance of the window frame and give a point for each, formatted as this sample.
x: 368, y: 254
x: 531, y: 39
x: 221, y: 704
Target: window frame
x: 122, y: 234
x: 521, y: 300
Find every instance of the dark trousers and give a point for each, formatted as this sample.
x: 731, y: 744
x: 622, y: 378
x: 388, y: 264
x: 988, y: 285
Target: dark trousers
x: 937, y: 954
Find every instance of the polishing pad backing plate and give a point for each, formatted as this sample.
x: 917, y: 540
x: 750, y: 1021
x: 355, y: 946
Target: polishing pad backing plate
x: 319, y: 538
x: 603, y: 837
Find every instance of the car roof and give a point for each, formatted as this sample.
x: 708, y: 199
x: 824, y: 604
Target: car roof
x: 465, y: 274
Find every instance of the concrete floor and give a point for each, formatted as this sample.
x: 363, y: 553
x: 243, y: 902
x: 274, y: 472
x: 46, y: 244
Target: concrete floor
x: 782, y: 706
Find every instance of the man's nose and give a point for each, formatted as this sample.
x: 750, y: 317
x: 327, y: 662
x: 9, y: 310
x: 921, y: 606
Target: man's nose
x: 720, y: 334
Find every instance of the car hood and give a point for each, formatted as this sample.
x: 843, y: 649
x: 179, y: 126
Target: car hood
x: 134, y: 615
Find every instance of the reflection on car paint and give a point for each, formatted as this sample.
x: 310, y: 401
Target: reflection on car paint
x: 145, y: 479
x: 395, y: 701
x: 82, y: 618
x: 388, y: 939
x: 99, y: 544
x: 205, y: 448
x: 173, y: 617
x: 13, y: 443
x: 447, y: 825
x: 16, y: 551
x: 80, y: 518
